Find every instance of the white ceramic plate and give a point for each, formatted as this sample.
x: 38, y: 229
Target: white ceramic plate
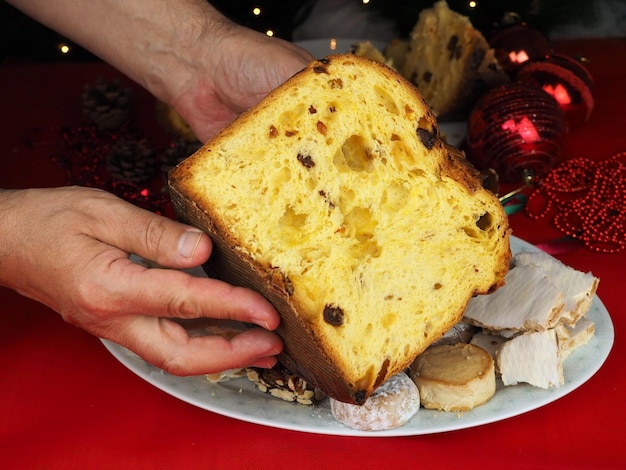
x: 239, y: 399
x: 454, y: 131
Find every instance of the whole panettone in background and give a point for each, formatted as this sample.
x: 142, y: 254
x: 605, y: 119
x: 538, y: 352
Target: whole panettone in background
x: 396, y: 52
x: 368, y: 50
x: 173, y: 122
x: 336, y: 198
x: 450, y: 62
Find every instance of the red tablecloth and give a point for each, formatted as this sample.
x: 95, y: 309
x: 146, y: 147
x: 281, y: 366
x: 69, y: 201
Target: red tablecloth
x: 67, y: 403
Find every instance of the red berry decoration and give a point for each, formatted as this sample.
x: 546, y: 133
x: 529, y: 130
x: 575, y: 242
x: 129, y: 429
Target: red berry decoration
x: 515, y: 45
x: 585, y: 199
x: 567, y: 80
x: 516, y: 129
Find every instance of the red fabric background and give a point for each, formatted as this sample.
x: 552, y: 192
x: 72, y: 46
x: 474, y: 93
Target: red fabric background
x: 65, y: 402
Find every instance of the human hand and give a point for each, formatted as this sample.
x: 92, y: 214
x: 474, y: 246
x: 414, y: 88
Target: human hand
x: 69, y: 249
x: 184, y: 52
x: 240, y: 67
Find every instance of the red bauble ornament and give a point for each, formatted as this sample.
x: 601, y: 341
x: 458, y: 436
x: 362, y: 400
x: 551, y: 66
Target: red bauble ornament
x: 515, y: 45
x: 567, y: 80
x: 516, y: 129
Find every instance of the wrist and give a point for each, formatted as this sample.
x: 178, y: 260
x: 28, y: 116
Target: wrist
x: 9, y: 207
x: 182, y: 43
x: 156, y: 43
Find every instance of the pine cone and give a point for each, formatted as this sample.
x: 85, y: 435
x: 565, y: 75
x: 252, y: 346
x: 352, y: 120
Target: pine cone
x: 131, y: 161
x: 106, y: 104
x: 176, y: 153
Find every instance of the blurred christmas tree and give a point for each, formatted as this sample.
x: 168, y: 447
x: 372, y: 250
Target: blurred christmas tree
x: 22, y: 37
x: 487, y: 15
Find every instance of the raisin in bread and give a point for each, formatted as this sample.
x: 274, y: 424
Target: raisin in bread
x: 450, y: 62
x: 336, y: 198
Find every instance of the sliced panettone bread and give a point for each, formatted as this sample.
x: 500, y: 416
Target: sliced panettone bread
x: 336, y: 199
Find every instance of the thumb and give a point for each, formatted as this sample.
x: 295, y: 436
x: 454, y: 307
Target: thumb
x: 151, y: 236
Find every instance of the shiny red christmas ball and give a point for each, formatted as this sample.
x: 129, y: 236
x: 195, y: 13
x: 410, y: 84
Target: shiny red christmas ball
x: 518, y: 44
x: 516, y: 129
x: 567, y: 80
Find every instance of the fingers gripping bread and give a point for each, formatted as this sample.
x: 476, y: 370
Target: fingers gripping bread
x: 336, y: 199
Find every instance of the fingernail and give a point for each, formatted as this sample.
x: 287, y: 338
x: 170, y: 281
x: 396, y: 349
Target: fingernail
x: 263, y: 324
x: 264, y: 363
x: 188, y: 243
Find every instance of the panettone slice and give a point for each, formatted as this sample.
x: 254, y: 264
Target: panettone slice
x: 337, y: 200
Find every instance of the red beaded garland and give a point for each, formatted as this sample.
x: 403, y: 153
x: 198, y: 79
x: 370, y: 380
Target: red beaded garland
x: 588, y: 201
